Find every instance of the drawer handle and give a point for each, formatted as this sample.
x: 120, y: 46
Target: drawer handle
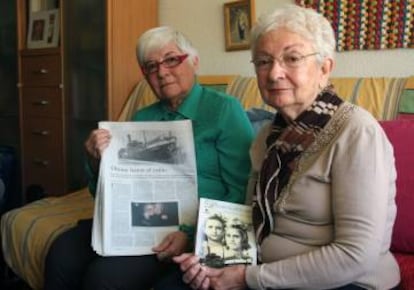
x: 41, y: 162
x: 41, y: 132
x: 41, y: 103
x: 42, y: 71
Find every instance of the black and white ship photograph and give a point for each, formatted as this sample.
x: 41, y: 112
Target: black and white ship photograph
x: 152, y: 146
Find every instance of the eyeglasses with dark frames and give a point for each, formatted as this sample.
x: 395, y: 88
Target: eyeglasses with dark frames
x: 153, y: 66
x: 286, y: 60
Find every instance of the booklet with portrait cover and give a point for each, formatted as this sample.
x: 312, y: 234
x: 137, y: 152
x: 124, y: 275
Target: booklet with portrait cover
x: 225, y: 234
x: 147, y: 186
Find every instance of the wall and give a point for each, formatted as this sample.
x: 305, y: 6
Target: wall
x: 202, y: 21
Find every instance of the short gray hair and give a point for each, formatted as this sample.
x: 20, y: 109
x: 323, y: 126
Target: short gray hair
x: 158, y: 37
x: 305, y: 22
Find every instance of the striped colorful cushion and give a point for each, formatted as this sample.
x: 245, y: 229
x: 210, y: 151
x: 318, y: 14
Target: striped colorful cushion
x: 27, y: 234
x: 246, y: 90
x: 380, y: 96
x: 141, y: 96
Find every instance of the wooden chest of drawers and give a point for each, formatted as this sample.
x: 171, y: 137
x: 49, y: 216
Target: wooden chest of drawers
x: 43, y: 121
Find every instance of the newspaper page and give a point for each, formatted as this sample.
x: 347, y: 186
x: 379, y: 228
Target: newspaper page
x: 225, y: 234
x: 147, y: 186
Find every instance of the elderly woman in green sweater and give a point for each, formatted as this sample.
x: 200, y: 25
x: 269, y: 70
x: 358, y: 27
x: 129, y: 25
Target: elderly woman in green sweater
x: 222, y: 134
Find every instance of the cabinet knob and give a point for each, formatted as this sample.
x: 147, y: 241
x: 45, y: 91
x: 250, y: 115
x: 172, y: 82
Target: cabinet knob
x: 42, y: 71
x: 41, y: 103
x: 41, y: 132
x: 40, y: 162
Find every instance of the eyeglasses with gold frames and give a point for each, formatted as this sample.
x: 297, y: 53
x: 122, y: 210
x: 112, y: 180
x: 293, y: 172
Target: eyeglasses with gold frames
x: 286, y: 60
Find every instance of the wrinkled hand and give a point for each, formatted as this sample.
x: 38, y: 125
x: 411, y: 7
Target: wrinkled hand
x: 173, y: 244
x: 96, y: 143
x: 194, y: 272
x: 202, y: 277
x: 228, y: 278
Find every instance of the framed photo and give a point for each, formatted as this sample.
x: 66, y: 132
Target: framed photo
x: 36, y: 5
x: 238, y: 20
x: 43, y: 29
x: 39, y: 5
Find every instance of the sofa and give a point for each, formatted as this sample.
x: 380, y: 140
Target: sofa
x: 27, y: 232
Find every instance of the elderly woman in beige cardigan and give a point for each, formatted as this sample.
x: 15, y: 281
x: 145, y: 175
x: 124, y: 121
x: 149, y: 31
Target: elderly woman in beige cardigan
x: 324, y: 173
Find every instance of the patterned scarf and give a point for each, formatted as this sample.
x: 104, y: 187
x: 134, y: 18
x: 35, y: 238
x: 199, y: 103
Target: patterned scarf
x: 285, y: 144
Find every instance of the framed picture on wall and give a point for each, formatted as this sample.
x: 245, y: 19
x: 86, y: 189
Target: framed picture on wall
x: 238, y: 20
x: 43, y: 29
x: 38, y: 5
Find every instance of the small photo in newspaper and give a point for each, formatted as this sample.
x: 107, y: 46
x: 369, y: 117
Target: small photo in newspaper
x: 154, y: 214
x: 225, y: 234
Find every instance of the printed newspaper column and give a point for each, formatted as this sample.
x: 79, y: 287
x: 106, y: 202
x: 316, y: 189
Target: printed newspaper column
x: 147, y: 186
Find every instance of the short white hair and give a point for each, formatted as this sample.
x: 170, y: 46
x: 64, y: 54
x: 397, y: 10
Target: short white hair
x: 158, y: 37
x: 305, y: 22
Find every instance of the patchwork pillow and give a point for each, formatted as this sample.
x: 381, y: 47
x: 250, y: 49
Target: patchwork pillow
x: 401, y: 135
